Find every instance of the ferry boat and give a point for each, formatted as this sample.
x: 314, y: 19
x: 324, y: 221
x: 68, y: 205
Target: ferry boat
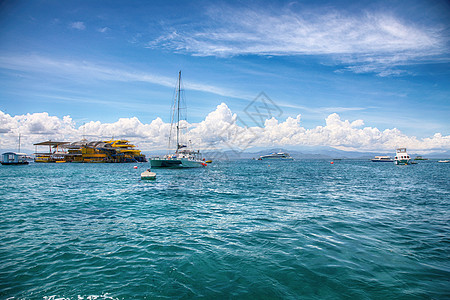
x: 56, y: 152
x: 276, y: 156
x: 112, y: 151
x: 183, y: 156
x: 124, y: 151
x: 401, y: 157
x: 382, y: 159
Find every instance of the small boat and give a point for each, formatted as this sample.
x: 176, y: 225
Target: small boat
x: 401, y: 157
x: 276, y: 156
x: 444, y: 161
x: 382, y: 159
x: 148, y: 175
x: 13, y: 158
x: 208, y: 161
x: 418, y: 157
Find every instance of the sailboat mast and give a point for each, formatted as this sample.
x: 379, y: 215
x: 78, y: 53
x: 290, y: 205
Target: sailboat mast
x: 178, y: 111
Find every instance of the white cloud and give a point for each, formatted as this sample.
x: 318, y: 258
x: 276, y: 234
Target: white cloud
x: 219, y: 130
x: 103, y: 29
x: 78, y: 25
x: 35, y: 128
x: 85, y: 70
x: 368, y: 42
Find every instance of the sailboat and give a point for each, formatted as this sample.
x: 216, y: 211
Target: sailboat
x: 183, y: 157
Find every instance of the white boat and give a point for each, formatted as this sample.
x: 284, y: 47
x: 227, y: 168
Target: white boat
x: 401, y: 157
x: 183, y: 156
x: 276, y: 156
x: 148, y: 175
x: 382, y: 159
x: 444, y: 161
x: 13, y: 158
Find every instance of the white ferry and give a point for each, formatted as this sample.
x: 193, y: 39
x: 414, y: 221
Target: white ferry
x: 401, y: 157
x: 279, y: 155
x: 382, y: 159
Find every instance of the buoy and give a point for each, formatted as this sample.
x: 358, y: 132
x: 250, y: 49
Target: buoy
x: 203, y: 164
x: 135, y: 167
x: 332, y: 162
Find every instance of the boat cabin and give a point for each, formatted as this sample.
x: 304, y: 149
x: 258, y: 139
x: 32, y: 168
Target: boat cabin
x: 12, y: 158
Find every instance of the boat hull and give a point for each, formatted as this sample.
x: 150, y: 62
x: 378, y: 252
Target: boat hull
x: 175, y: 163
x: 276, y: 158
x: 402, y: 162
x: 14, y: 163
x: 148, y: 175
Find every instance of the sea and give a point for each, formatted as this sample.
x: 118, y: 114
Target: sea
x: 242, y: 229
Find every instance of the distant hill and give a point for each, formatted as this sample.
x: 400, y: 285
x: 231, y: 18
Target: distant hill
x: 316, y: 153
x: 304, y: 153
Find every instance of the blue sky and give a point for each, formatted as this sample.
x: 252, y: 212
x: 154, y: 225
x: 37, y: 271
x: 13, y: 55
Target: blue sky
x: 384, y: 62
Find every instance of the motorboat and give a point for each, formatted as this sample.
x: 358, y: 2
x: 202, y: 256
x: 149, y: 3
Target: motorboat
x: 276, y: 156
x: 382, y: 159
x: 401, y: 157
x: 148, y: 175
x: 418, y: 157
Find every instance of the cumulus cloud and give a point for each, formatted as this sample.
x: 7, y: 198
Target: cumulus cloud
x: 36, y: 127
x: 221, y: 129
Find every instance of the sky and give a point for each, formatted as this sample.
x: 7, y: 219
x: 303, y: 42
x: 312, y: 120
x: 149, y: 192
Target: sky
x: 351, y: 75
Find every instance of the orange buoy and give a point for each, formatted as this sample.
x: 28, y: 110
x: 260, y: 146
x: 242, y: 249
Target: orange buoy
x: 135, y: 167
x: 332, y: 162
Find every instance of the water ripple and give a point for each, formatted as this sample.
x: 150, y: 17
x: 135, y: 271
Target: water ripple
x: 305, y: 229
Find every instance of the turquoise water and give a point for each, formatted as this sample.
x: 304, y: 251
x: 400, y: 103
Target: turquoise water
x: 244, y: 229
